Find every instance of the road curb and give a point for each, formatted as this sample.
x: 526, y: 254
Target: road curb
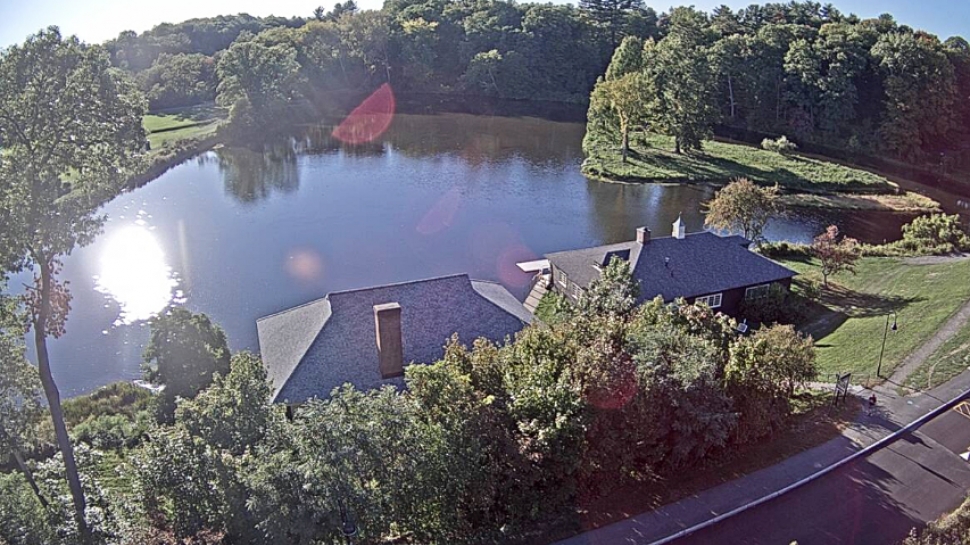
x: 824, y: 471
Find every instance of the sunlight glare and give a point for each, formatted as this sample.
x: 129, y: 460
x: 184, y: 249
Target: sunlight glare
x: 134, y: 273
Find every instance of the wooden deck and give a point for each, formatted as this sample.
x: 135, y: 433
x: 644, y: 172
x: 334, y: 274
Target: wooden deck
x: 539, y: 288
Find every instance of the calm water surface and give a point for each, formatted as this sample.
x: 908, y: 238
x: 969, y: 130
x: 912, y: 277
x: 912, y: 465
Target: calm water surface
x: 240, y: 234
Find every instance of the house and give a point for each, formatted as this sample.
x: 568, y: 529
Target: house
x: 365, y: 337
x: 700, y: 267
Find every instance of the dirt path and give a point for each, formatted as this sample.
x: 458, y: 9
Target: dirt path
x: 948, y: 330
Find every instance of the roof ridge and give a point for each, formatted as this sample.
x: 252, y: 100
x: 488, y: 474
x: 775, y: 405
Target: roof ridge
x: 625, y: 242
x: 290, y: 309
x: 495, y: 304
x: 397, y: 284
x: 476, y: 280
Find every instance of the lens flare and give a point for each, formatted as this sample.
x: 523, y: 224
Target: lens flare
x: 441, y: 214
x: 369, y: 120
x: 135, y: 274
x: 305, y: 265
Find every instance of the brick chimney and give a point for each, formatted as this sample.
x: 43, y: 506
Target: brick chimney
x: 643, y: 235
x: 390, y: 346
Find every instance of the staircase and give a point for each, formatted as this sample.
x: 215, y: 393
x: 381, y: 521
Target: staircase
x: 540, y: 285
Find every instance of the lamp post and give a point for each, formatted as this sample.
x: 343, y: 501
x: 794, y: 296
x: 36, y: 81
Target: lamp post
x: 884, y: 336
x: 348, y: 527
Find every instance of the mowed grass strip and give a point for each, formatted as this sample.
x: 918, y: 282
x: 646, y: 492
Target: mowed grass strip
x: 166, y: 122
x: 160, y: 140
x: 652, y: 159
x: 949, y: 360
x: 850, y: 321
x: 169, y: 126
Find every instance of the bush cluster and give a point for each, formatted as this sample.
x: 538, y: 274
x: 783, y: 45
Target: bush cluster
x: 933, y: 234
x: 483, y: 442
x: 779, y: 145
x: 778, y: 306
x: 480, y: 446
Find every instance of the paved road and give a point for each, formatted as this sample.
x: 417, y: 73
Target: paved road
x: 873, y: 501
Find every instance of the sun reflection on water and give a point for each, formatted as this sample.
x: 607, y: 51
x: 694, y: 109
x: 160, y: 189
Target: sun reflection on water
x: 135, y: 274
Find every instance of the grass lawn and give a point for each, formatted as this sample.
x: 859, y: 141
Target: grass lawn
x: 652, y: 160
x: 160, y: 140
x: 169, y: 126
x: 949, y: 360
x: 849, y: 323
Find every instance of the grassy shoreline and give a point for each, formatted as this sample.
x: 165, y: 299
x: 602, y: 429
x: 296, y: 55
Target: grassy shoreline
x: 176, y: 136
x: 807, y: 181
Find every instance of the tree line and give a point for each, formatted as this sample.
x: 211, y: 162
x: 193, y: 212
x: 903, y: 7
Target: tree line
x: 869, y: 86
x: 802, y: 69
x: 492, y: 48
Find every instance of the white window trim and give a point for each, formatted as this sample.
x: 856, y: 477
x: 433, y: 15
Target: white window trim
x: 711, y: 299
x: 561, y: 278
x: 765, y: 287
x: 577, y: 291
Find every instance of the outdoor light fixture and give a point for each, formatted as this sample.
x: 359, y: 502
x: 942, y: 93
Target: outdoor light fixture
x: 347, y: 525
x: 884, y: 336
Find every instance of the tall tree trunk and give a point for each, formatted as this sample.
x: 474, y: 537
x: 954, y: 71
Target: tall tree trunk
x: 54, y: 398
x: 625, y: 147
x: 677, y: 145
x: 731, y: 93
x: 22, y: 465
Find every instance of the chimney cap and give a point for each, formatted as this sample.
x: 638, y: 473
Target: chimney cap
x: 387, y: 306
x: 643, y: 235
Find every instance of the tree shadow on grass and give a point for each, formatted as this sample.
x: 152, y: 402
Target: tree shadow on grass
x: 858, y: 304
x: 837, y: 304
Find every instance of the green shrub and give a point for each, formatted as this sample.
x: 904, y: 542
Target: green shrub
x: 779, y: 306
x: 113, y: 431
x: 784, y: 249
x: 116, y: 398
x: 780, y: 145
x: 554, y: 308
x: 937, y: 231
x: 23, y: 520
x: 935, y: 234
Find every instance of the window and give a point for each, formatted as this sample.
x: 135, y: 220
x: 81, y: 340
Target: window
x: 561, y: 278
x: 712, y: 301
x: 577, y: 291
x: 757, y: 292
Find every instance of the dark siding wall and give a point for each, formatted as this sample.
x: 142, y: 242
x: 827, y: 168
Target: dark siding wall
x: 731, y: 301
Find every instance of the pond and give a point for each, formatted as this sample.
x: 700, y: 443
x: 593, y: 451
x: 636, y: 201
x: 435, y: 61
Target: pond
x: 240, y: 233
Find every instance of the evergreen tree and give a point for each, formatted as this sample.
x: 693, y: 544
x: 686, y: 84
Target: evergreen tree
x: 611, y: 15
x: 680, y: 81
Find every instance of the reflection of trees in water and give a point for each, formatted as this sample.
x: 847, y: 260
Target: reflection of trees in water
x: 481, y: 140
x: 477, y: 140
x: 251, y: 175
x: 618, y: 209
x: 319, y: 139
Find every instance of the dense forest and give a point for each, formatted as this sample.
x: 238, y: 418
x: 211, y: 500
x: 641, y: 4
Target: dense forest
x: 802, y: 69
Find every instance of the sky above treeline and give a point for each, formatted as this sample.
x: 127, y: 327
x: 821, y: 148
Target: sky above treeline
x: 100, y: 20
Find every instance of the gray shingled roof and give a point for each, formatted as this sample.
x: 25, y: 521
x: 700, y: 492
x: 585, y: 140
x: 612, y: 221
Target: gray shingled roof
x: 699, y: 264
x: 311, y: 349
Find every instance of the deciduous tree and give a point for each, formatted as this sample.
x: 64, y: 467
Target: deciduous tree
x: 71, y: 131
x: 681, y: 100
x: 834, y: 253
x: 742, y: 206
x: 184, y: 352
